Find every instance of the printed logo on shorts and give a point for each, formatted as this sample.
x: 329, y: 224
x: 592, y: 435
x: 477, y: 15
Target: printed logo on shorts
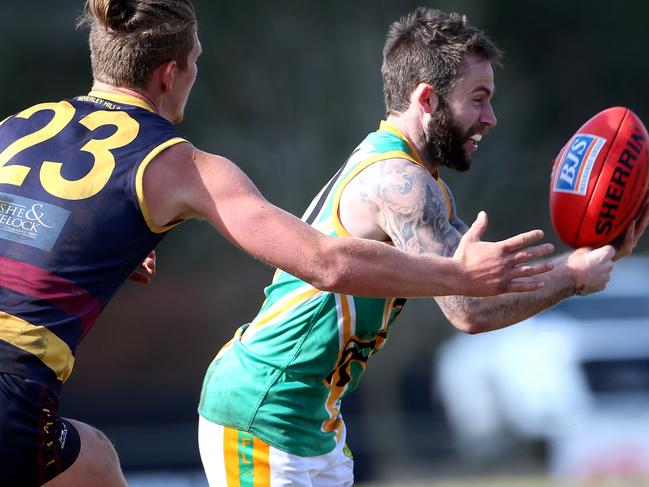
x: 347, y: 452
x: 63, y: 436
x: 30, y: 222
x: 576, y: 163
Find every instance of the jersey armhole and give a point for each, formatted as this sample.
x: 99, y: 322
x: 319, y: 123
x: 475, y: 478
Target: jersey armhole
x: 340, y: 229
x: 139, y: 186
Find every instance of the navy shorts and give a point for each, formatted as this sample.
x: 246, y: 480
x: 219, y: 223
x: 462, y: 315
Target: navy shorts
x: 35, y: 443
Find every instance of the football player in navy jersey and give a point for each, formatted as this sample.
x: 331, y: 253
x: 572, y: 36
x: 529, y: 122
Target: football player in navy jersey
x: 76, y: 173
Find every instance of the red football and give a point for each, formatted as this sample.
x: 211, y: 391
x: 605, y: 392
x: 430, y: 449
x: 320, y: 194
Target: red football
x: 600, y: 179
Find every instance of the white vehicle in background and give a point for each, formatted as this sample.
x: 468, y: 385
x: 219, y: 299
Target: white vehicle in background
x: 575, y: 377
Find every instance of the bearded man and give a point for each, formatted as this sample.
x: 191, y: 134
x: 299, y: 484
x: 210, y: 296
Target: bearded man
x: 270, y: 407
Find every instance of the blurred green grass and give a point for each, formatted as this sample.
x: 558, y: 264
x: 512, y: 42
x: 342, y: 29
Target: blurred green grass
x: 516, y: 481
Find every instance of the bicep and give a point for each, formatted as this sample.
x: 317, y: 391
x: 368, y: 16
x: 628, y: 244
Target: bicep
x: 232, y: 204
x: 184, y: 182
x: 454, y: 220
x: 413, y: 211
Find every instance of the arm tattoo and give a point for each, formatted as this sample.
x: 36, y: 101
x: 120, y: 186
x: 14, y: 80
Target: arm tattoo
x: 413, y: 213
x: 412, y: 207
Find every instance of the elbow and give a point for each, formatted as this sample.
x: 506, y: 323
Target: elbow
x: 329, y: 280
x: 469, y: 326
x: 472, y: 320
x: 329, y: 272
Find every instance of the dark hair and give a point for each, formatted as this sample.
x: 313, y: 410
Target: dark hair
x: 131, y: 38
x: 428, y: 46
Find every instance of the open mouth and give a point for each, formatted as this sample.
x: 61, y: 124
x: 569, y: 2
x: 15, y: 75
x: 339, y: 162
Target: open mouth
x: 475, y: 138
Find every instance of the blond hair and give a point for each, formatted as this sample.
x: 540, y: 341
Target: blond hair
x: 129, y: 39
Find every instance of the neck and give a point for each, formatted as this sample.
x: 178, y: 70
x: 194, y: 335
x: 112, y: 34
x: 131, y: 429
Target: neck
x: 99, y: 86
x: 412, y: 128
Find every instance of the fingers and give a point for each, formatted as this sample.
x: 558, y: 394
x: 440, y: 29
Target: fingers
x: 531, y: 270
x: 603, y: 253
x: 139, y: 278
x: 642, y: 221
x: 598, y: 266
x: 523, y: 285
x: 633, y: 233
x: 149, y: 264
x: 478, y: 228
x: 145, y: 271
x: 531, y: 253
x: 628, y: 242
x: 522, y: 240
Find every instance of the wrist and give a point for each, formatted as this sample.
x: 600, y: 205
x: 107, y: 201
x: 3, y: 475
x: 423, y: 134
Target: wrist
x: 579, y: 267
x: 459, y: 279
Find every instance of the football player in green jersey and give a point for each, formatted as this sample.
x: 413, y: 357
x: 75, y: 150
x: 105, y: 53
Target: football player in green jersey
x: 271, y: 402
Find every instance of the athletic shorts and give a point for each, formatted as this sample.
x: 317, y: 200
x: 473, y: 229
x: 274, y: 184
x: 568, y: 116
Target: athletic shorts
x: 35, y: 443
x: 234, y: 458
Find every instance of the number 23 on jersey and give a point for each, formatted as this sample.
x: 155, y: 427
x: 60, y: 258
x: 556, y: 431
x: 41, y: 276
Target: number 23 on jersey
x: 50, y: 171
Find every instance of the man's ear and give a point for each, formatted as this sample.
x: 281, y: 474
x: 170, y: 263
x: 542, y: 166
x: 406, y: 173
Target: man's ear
x: 425, y: 97
x: 167, y: 75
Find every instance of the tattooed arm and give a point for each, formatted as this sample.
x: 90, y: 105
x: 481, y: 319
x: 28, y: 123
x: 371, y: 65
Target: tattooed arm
x: 410, y: 207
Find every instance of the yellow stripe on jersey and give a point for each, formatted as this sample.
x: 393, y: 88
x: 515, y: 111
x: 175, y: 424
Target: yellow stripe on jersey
x: 345, y: 330
x: 38, y: 341
x: 121, y: 98
x: 139, y: 185
x: 287, y: 303
x: 386, y: 126
x: 237, y: 335
x: 337, y: 224
x: 380, y: 340
x: 393, y: 129
x: 449, y: 207
x: 349, y: 327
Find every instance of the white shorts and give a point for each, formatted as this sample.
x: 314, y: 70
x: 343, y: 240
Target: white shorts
x: 234, y: 458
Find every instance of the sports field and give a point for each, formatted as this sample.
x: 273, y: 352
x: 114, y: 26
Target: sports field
x: 197, y: 479
x: 515, y: 481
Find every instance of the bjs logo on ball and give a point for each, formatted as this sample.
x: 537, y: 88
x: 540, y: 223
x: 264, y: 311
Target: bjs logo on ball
x: 576, y: 164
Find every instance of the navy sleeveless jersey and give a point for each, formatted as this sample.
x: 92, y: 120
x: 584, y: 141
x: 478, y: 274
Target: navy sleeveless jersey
x: 73, y: 222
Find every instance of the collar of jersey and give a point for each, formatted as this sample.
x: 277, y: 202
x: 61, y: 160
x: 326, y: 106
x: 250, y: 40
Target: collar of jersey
x: 386, y: 126
x: 122, y: 98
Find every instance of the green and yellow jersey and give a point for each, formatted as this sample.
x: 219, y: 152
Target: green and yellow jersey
x: 282, y: 377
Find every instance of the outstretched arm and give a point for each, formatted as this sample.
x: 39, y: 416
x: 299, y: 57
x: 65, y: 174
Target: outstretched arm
x: 413, y: 212
x: 183, y: 182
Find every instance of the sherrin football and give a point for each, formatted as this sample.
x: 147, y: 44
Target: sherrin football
x: 600, y: 179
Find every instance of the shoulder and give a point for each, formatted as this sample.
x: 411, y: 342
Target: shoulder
x: 401, y: 180
x: 184, y: 167
x: 173, y: 158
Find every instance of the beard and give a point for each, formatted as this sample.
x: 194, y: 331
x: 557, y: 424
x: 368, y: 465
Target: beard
x: 446, y: 140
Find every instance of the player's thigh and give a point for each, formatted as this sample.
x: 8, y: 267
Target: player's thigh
x: 338, y: 469
x: 232, y: 458
x: 97, y: 462
x: 36, y: 444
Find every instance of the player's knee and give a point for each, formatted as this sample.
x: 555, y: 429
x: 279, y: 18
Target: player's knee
x: 97, y: 451
x: 96, y: 465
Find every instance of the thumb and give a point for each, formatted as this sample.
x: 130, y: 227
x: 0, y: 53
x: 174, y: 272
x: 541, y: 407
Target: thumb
x: 478, y: 228
x: 607, y: 252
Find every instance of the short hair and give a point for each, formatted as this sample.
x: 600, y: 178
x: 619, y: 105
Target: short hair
x: 129, y: 39
x: 428, y: 46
